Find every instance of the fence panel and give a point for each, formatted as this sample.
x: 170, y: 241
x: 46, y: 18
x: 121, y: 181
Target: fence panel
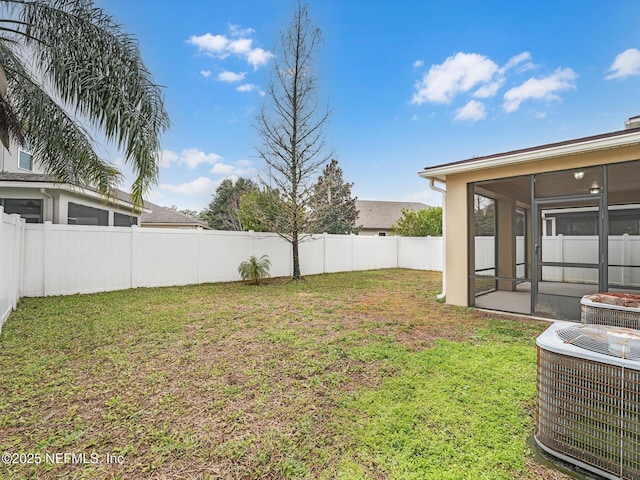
x: 339, y: 253
x: 420, y: 253
x: 164, y: 257
x: 11, y: 259
x: 387, y: 252
x: 364, y: 252
x: 312, y: 255
x: 220, y: 253
x: 81, y: 259
x: 66, y: 259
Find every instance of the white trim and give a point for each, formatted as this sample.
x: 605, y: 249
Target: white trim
x: 622, y: 140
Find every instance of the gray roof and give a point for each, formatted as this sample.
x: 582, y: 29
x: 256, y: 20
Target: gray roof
x: 382, y: 215
x: 25, y: 177
x: 166, y: 215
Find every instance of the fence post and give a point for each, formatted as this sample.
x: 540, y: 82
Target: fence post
x: 353, y: 246
x: 324, y: 252
x: 560, y: 248
x: 2, y: 268
x: 17, y: 257
x: 198, y: 234
x: 47, y: 256
x: 626, y: 259
x: 133, y: 256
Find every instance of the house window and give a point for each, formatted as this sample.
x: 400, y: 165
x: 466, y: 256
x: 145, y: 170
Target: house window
x: 29, y: 209
x: 25, y: 160
x: 83, y: 215
x: 382, y: 234
x: 120, y: 220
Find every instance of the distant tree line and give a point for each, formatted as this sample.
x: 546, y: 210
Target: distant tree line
x: 245, y: 205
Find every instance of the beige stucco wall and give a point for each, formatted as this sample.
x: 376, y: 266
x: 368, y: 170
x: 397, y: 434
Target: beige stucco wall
x: 457, y: 206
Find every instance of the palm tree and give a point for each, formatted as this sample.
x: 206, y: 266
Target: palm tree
x: 66, y: 67
x: 255, y: 269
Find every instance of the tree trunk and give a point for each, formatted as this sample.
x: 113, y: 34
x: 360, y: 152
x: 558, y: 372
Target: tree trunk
x: 296, y: 256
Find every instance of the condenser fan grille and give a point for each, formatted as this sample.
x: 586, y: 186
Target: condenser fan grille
x: 613, y: 341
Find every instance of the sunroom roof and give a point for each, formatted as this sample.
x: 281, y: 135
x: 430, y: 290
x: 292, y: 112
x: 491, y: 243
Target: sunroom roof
x: 621, y: 138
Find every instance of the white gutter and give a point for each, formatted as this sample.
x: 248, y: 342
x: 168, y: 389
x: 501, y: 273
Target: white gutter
x: 49, y: 204
x: 432, y: 184
x: 552, y: 151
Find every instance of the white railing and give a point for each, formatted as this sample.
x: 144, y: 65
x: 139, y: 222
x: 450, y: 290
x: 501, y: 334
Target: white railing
x: 68, y: 259
x: 12, y: 230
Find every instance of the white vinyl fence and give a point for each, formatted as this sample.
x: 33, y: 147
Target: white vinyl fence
x: 47, y: 259
x: 624, y: 250
x: 12, y: 231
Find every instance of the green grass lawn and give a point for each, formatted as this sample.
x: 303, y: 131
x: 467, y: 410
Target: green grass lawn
x: 355, y: 376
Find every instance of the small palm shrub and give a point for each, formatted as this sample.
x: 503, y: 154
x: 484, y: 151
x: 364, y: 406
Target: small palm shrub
x: 255, y: 269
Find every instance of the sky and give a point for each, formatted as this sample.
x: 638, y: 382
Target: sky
x: 409, y: 84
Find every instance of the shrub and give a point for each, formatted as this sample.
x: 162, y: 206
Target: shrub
x: 255, y: 269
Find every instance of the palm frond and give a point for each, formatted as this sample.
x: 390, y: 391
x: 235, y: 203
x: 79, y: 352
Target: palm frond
x: 97, y: 69
x: 53, y: 136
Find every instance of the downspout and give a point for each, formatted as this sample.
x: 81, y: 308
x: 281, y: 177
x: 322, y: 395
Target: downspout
x: 49, y: 204
x: 432, y: 184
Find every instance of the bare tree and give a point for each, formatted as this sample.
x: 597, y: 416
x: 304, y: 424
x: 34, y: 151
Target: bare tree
x: 291, y: 125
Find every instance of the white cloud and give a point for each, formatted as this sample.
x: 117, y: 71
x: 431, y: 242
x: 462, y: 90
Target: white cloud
x: 457, y: 74
x: 191, y: 157
x: 213, y: 44
x: 489, y: 90
x: 544, y: 88
x: 231, y: 76
x: 205, y: 73
x: 418, y: 64
x: 240, y: 44
x: 517, y: 60
x: 223, y: 169
x: 167, y: 157
x: 462, y: 73
x: 626, y: 64
x: 237, y: 31
x: 243, y: 167
x: 472, y: 111
x: 198, y: 187
x: 258, y: 57
x: 250, y: 87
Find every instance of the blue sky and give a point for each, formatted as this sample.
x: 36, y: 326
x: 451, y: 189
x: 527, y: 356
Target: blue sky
x: 409, y: 83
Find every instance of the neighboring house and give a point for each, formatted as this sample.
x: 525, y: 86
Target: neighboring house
x: 37, y: 197
x: 591, y: 183
x: 377, y: 217
x: 165, y: 217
